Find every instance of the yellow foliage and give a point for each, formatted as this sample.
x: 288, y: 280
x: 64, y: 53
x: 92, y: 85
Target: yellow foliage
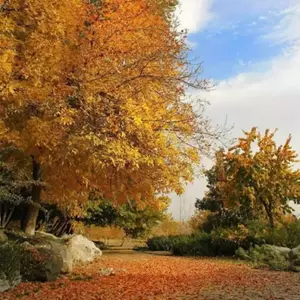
x: 93, y: 94
x: 261, y: 173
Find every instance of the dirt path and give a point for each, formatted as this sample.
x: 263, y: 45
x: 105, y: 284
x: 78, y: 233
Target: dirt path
x: 140, y: 276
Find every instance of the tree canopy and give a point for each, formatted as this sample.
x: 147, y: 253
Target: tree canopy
x: 92, y: 92
x: 258, y: 172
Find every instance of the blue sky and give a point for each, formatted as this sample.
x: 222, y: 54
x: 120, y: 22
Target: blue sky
x: 231, y: 50
x: 232, y: 39
x: 251, y: 48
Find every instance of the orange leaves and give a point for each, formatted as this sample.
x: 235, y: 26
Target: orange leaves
x: 258, y: 172
x: 93, y: 91
x: 142, y: 276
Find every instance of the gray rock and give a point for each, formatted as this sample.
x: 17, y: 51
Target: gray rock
x: 66, y: 255
x: 107, y: 272
x: 39, y: 263
x: 57, y: 245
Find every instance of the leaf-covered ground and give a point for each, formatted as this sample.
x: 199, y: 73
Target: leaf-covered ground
x: 144, y: 276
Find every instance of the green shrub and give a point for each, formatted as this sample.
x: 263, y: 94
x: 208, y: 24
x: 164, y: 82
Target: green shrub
x: 242, y: 254
x: 162, y: 243
x: 274, y: 257
x: 10, y: 256
x: 287, y: 235
x: 269, y: 256
x: 227, y: 241
x: 195, y: 245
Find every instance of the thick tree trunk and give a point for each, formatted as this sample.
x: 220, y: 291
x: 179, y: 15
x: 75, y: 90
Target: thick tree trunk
x: 33, y: 210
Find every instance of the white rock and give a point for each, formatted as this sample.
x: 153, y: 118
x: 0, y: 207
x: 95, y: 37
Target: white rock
x: 82, y: 249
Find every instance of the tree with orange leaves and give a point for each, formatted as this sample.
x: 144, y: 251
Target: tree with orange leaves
x: 258, y: 172
x: 91, y: 94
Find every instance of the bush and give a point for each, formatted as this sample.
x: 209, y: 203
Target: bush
x: 196, y: 245
x: 226, y: 241
x: 277, y: 258
x: 287, y: 235
x: 10, y: 255
x: 199, y: 244
x: 162, y: 243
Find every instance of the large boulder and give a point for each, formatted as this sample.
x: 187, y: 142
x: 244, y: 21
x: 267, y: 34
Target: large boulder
x: 55, y: 244
x: 44, y: 257
x: 59, y: 246
x: 40, y: 263
x: 9, y: 266
x: 82, y: 249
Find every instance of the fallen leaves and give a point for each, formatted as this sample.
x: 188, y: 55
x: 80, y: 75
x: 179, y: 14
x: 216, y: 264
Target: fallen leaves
x: 143, y: 276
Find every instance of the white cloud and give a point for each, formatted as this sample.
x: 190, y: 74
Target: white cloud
x: 194, y: 15
x: 267, y: 98
x: 288, y: 29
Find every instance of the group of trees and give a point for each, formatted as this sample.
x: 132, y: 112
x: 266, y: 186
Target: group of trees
x: 92, y: 98
x: 134, y: 220
x: 255, y: 179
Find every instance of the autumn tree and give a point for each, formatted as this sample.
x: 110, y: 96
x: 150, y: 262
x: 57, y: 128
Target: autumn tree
x: 261, y: 173
x: 211, y: 211
x: 92, y: 93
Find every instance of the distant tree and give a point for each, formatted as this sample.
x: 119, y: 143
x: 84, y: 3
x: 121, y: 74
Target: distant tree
x: 211, y: 211
x: 170, y: 226
x: 134, y: 220
x: 137, y: 222
x: 260, y: 173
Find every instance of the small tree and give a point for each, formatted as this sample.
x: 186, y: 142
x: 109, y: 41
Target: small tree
x: 211, y: 211
x: 135, y: 221
x: 259, y: 172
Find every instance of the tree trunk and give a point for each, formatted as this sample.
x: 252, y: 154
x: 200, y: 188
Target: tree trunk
x: 33, y: 210
x: 271, y: 220
x: 269, y: 212
x: 270, y: 217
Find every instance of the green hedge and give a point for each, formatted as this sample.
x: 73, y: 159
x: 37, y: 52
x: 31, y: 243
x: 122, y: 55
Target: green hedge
x: 202, y: 244
x: 163, y: 243
x: 226, y: 241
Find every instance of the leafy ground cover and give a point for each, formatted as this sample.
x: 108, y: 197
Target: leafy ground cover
x: 139, y: 276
